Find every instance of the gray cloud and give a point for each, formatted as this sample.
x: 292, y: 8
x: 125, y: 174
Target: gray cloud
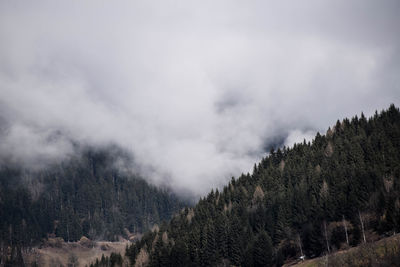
x: 193, y: 90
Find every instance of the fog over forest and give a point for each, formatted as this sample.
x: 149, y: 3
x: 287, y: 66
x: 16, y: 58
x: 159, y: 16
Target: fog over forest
x: 196, y: 92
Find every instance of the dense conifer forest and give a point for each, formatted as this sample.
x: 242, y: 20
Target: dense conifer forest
x: 338, y: 191
x: 83, y: 196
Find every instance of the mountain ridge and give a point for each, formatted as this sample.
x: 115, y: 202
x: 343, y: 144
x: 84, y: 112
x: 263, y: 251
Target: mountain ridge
x: 85, y: 195
x: 313, y: 198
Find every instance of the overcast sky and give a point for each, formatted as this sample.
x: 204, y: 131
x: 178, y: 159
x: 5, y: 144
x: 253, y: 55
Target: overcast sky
x: 195, y: 90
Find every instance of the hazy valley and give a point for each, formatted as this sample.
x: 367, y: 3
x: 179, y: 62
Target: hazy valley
x: 199, y: 133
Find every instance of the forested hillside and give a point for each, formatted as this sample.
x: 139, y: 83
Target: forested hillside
x: 83, y: 196
x: 340, y: 190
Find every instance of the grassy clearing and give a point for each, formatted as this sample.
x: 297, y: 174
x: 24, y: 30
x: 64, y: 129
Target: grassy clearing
x: 385, y: 252
x: 60, y: 254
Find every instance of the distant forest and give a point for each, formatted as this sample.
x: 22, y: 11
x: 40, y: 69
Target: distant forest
x: 83, y: 196
x: 338, y: 191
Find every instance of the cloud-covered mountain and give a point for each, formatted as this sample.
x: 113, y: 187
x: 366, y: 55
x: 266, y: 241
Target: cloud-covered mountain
x: 195, y: 91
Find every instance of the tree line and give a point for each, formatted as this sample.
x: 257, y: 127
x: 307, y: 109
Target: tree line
x: 338, y: 191
x: 85, y: 195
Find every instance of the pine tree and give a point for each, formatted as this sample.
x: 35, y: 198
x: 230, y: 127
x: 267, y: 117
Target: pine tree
x: 263, y: 250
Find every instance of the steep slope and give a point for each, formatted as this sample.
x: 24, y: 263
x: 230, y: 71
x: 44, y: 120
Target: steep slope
x: 314, y: 198
x: 85, y: 195
x: 384, y: 252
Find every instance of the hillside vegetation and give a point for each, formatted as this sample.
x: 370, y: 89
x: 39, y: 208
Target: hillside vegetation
x: 59, y: 253
x: 385, y: 252
x: 83, y: 196
x: 340, y: 190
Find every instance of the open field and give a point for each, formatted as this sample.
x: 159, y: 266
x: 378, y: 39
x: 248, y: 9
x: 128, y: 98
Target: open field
x: 58, y: 253
x: 385, y: 252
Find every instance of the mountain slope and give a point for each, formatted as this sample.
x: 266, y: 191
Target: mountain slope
x: 85, y: 195
x: 384, y: 252
x: 314, y: 198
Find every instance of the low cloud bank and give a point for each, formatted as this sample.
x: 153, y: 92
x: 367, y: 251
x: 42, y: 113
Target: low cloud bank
x: 195, y: 91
